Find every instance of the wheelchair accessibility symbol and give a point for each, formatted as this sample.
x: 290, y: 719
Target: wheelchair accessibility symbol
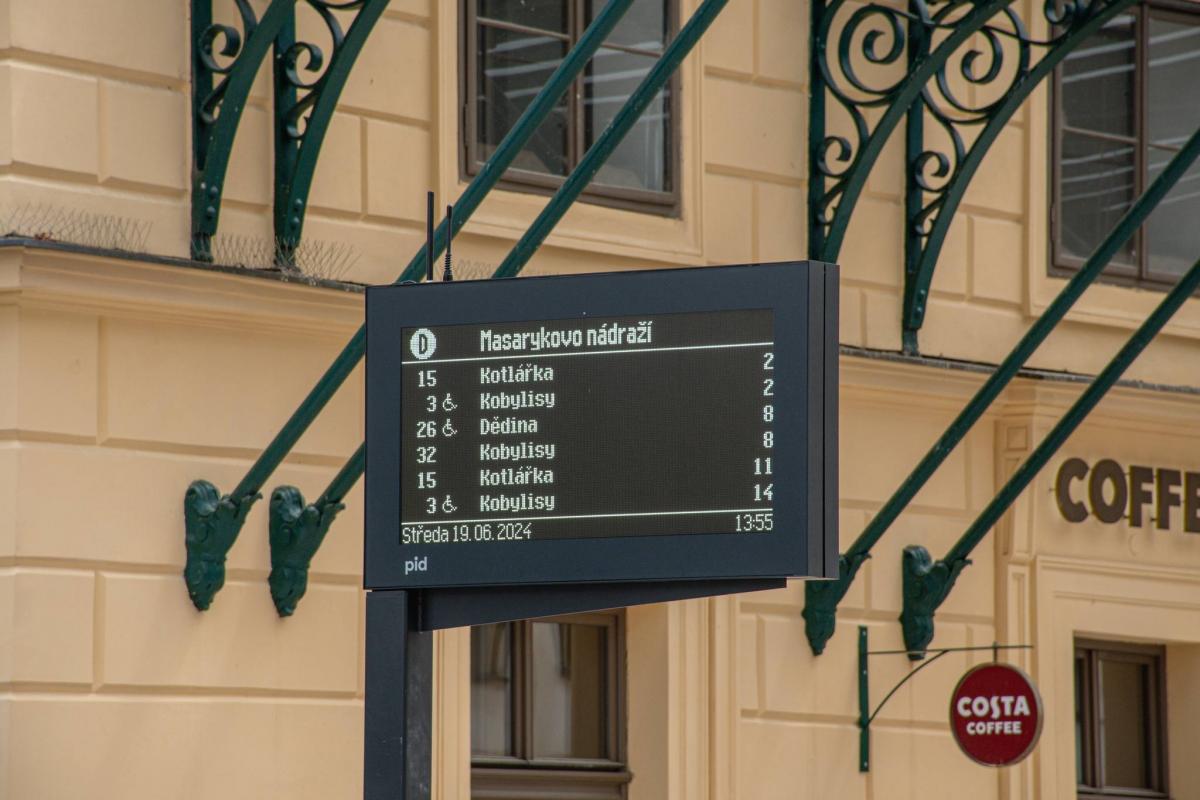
x: 423, y: 343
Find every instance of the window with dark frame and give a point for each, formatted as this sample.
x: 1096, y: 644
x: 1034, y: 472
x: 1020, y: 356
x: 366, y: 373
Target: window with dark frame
x: 510, y: 49
x: 547, y: 709
x: 1125, y: 102
x: 1120, y: 721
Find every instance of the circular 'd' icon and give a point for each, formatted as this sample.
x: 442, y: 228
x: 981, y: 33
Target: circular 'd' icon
x: 423, y: 343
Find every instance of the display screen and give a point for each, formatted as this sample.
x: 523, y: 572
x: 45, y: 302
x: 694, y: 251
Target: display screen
x: 583, y: 428
x: 606, y: 428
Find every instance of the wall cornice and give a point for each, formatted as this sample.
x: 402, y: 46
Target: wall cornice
x: 146, y: 288
x: 882, y: 380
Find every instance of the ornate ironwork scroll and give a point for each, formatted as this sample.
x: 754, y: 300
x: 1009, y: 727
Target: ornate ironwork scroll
x: 870, y: 61
x: 225, y: 60
x: 936, y: 184
x: 306, y: 93
x: 1005, y: 69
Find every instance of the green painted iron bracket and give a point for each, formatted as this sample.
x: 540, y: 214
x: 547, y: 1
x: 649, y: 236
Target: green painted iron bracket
x: 221, y: 81
x: 821, y: 600
x: 938, y: 180
x: 565, y: 196
x: 304, y: 108
x: 865, y: 715
x: 248, y: 490
x: 204, y: 506
x: 212, y: 523
x: 297, y: 530
x: 927, y: 583
x: 840, y: 165
x: 820, y: 623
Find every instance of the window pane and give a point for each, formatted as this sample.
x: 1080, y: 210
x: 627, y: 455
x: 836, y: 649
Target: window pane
x: 491, y: 690
x: 570, y: 665
x: 1081, y: 776
x: 512, y: 68
x: 1124, y: 720
x: 1173, y: 93
x: 641, y: 160
x: 644, y: 24
x: 1098, y: 80
x: 1097, y: 187
x: 548, y: 15
x: 1172, y: 235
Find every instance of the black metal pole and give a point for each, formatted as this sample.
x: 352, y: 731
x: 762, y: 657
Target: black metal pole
x: 398, y: 716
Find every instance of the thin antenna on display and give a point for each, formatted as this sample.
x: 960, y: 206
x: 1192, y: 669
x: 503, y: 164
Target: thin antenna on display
x: 448, y: 272
x: 429, y: 236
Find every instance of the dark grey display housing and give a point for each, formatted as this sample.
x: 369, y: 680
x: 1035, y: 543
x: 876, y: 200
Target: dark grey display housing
x: 803, y: 297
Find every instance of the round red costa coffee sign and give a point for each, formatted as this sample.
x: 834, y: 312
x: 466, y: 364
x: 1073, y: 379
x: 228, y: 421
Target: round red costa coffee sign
x: 996, y: 715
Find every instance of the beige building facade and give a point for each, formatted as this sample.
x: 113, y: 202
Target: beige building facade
x: 127, y: 371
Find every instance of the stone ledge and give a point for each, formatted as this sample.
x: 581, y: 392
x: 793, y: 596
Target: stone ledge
x: 35, y: 273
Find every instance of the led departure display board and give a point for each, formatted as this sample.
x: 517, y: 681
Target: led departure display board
x: 627, y: 426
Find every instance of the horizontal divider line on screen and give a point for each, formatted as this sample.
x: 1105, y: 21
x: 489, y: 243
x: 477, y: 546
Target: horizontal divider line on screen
x: 589, y: 353
x: 759, y: 510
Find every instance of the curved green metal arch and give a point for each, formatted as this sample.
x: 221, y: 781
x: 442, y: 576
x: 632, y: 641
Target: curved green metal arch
x: 297, y: 164
x: 917, y: 282
x: 208, y: 177
x: 828, y: 246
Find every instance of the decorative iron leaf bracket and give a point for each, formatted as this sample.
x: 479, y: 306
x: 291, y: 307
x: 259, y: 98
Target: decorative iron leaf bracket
x: 211, y: 523
x: 301, y: 122
x: 821, y: 600
x: 925, y: 585
x: 297, y: 531
x: 866, y: 716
